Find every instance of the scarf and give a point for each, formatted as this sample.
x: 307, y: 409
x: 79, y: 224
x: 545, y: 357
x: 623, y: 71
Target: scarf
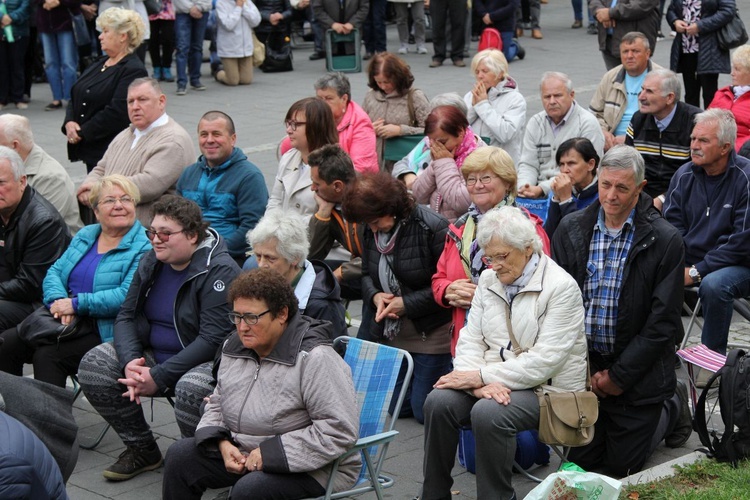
x: 523, y: 280
x: 467, y: 146
x: 386, y: 243
x: 469, y: 239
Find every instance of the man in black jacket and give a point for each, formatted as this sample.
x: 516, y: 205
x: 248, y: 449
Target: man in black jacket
x: 628, y: 262
x: 33, y: 235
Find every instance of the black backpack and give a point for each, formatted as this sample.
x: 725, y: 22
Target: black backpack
x: 734, y: 404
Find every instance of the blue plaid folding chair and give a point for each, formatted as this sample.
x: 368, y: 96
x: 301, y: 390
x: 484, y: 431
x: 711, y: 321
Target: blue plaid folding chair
x: 375, y: 369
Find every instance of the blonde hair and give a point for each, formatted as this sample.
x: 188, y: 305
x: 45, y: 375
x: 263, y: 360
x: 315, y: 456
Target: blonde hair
x: 741, y: 57
x: 494, y: 60
x: 497, y: 160
x: 110, y: 181
x: 124, y: 21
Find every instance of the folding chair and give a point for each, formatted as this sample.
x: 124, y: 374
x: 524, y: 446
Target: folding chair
x: 538, y: 207
x: 344, y: 62
x: 396, y: 148
x: 375, y: 370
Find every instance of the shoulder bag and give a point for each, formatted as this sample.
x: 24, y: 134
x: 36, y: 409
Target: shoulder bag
x: 259, y: 51
x: 80, y: 29
x: 733, y: 34
x: 153, y: 7
x: 566, y: 418
x: 40, y: 328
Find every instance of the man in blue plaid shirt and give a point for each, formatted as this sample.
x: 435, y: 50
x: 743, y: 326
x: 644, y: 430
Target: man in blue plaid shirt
x: 628, y: 262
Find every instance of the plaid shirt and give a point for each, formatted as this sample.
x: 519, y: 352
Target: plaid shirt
x: 601, y: 289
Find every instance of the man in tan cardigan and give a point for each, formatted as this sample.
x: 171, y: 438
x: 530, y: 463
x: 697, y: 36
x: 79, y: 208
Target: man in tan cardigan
x: 152, y: 152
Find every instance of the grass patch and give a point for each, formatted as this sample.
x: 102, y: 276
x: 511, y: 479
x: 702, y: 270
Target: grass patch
x: 705, y: 479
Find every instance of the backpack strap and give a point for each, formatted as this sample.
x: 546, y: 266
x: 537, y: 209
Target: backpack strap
x: 700, y: 414
x: 727, y: 388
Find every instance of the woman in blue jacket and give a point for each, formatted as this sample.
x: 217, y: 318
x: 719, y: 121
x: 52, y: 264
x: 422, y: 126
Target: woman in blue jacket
x: 90, y: 280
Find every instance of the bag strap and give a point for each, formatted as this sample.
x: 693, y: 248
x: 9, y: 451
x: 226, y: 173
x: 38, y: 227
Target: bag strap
x: 700, y: 413
x: 410, y: 105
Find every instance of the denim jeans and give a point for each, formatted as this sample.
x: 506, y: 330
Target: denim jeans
x: 510, y: 49
x: 61, y: 58
x: 189, y: 34
x: 717, y: 292
x: 428, y: 368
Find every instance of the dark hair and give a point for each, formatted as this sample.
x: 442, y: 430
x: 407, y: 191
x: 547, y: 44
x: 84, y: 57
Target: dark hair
x: 371, y: 196
x: 392, y: 67
x: 449, y: 119
x: 185, y: 212
x: 320, y: 128
x: 210, y: 116
x: 333, y: 164
x: 584, y: 147
x: 266, y: 285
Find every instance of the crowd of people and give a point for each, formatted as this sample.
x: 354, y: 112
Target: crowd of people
x: 171, y: 274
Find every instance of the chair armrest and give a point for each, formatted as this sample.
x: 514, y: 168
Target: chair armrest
x: 366, y: 442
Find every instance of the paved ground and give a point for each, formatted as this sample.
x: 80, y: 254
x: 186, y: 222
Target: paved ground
x: 258, y: 111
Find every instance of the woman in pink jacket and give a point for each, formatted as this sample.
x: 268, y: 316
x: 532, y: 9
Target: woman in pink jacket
x: 736, y: 97
x: 490, y: 178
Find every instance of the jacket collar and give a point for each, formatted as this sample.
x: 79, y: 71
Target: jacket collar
x: 534, y: 284
x: 237, y: 156
x: 28, y: 194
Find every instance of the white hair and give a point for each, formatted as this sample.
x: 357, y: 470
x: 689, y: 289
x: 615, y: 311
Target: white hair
x: 511, y: 226
x: 289, y: 231
x: 15, y: 161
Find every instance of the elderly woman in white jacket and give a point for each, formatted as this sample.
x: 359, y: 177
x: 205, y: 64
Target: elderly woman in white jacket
x: 491, y: 388
x: 496, y: 108
x: 234, y: 40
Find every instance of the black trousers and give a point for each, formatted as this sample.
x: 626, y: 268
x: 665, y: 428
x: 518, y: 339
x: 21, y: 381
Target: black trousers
x: 441, y: 10
x: 188, y: 473
x: 12, y: 70
x: 694, y: 82
x: 161, y: 44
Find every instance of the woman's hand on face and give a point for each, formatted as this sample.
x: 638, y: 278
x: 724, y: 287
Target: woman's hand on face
x: 496, y: 391
x: 439, y: 151
x: 460, y: 293
x: 71, y: 132
x: 460, y: 380
x: 62, y: 307
x: 562, y: 187
x: 254, y: 461
x: 234, y: 460
x: 478, y: 93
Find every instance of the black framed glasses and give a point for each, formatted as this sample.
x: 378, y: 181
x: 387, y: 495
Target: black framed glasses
x: 250, y: 319
x: 163, y: 235
x: 291, y: 124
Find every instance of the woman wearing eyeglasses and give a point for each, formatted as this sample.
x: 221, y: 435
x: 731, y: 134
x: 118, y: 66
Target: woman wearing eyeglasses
x: 86, y: 285
x: 490, y: 178
x: 283, y: 410
x: 309, y: 125
x: 165, y: 335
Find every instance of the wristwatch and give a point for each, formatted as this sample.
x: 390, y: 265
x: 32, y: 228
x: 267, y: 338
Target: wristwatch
x: 694, y: 275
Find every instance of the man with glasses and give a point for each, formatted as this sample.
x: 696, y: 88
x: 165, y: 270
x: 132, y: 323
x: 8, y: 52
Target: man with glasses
x: 229, y: 189
x: 628, y: 262
x: 152, y: 152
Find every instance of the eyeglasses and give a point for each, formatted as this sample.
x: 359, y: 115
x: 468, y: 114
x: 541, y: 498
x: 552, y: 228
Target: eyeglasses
x: 494, y: 259
x: 250, y: 319
x: 484, y: 180
x: 111, y: 200
x: 291, y: 124
x: 163, y: 235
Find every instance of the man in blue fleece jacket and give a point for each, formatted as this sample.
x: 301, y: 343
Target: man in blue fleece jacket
x: 708, y: 202
x: 230, y: 190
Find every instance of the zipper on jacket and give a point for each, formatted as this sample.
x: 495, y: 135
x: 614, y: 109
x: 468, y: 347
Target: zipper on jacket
x: 247, y: 395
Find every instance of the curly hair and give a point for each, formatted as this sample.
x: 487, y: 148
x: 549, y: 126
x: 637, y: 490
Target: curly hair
x: 320, y: 127
x: 266, y: 285
x: 185, y: 212
x: 392, y: 67
x: 371, y: 196
x: 123, y: 21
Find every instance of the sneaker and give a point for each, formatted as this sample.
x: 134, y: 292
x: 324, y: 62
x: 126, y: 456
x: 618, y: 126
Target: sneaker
x: 134, y: 461
x: 672, y: 34
x: 157, y: 74
x: 520, y: 51
x: 659, y: 36
x: 22, y: 105
x: 591, y: 30
x: 54, y: 105
x: 684, y: 426
x: 181, y: 91
x: 421, y: 49
x: 166, y: 74
x: 198, y: 86
x: 403, y: 50
x: 317, y: 55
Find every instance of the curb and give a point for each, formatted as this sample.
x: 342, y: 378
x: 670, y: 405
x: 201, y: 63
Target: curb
x: 661, y: 471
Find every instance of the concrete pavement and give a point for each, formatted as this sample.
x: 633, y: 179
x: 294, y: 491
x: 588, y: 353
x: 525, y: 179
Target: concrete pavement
x: 258, y: 111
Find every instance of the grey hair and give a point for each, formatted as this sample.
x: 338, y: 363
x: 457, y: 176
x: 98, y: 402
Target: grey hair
x: 289, y: 231
x: 624, y: 157
x: 16, y: 163
x: 494, y: 60
x: 724, y: 119
x: 631, y: 36
x: 336, y: 81
x: 449, y: 99
x: 741, y: 57
x: 556, y: 75
x: 18, y: 128
x: 146, y: 79
x: 511, y: 226
x: 669, y: 82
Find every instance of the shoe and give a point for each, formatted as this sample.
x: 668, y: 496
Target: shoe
x: 421, y: 49
x: 198, y: 86
x: 166, y: 74
x: 436, y: 63
x: 684, y: 426
x: 659, y: 36
x: 591, y: 30
x: 22, y: 105
x: 134, y: 461
x: 316, y: 55
x: 520, y: 51
x: 519, y: 32
x: 672, y: 34
x: 577, y: 24
x: 53, y: 106
x: 367, y: 56
x: 181, y: 91
x: 459, y: 63
x: 157, y: 74
x: 403, y: 50
x: 536, y: 34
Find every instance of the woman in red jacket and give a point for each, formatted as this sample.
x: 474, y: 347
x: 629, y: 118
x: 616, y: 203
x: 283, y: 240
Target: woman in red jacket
x: 736, y: 97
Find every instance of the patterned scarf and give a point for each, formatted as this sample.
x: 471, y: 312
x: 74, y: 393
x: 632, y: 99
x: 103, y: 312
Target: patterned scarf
x: 476, y: 253
x: 467, y: 146
x: 386, y: 243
